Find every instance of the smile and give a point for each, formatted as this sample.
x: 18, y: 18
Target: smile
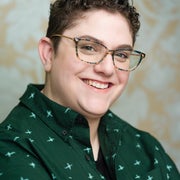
x: 97, y: 84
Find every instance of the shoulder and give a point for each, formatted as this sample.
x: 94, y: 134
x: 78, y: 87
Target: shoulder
x: 137, y: 137
x: 143, y: 150
x: 16, y: 141
x: 18, y: 129
x: 131, y: 131
x: 18, y: 118
x: 15, y: 128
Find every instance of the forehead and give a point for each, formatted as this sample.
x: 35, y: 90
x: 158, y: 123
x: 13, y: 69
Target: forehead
x: 111, y: 28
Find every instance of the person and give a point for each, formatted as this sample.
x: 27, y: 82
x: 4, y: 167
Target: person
x: 64, y: 129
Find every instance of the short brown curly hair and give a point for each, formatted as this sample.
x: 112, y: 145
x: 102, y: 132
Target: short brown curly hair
x: 65, y: 13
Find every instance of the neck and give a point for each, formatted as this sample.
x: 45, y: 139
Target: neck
x: 94, y: 139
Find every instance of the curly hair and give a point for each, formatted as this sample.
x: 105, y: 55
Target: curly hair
x: 65, y: 13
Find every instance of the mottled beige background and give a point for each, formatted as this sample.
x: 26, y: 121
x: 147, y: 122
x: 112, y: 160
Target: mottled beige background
x: 151, y: 101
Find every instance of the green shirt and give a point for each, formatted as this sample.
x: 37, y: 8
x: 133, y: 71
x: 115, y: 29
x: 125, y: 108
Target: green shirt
x: 41, y: 140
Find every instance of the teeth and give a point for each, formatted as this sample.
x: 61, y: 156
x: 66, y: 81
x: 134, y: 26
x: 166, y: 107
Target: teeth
x: 97, y: 84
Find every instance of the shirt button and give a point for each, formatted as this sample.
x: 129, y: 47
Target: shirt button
x: 64, y: 132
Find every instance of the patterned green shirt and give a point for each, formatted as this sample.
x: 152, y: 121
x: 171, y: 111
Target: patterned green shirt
x: 41, y: 140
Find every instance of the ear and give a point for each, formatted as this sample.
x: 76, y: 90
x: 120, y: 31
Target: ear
x: 46, y: 53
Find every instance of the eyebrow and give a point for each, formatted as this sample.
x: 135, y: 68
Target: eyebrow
x: 91, y: 38
x: 122, y: 46
x: 125, y: 47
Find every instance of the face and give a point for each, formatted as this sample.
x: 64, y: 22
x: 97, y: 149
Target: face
x: 86, y: 88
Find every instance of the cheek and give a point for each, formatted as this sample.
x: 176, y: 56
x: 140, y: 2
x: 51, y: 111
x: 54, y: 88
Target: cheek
x: 67, y: 61
x: 123, y: 77
x: 66, y: 67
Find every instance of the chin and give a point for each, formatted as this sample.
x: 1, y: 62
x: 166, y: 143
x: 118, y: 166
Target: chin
x: 96, y: 113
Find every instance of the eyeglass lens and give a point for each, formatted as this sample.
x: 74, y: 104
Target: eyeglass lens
x: 93, y: 52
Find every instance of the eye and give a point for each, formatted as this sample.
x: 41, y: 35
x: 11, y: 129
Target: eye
x: 122, y: 56
x: 87, y: 47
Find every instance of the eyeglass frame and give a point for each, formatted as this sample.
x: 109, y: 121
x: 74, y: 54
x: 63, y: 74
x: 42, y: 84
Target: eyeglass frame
x: 77, y: 39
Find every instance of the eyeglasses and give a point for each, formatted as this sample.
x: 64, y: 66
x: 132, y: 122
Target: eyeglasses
x: 93, y: 52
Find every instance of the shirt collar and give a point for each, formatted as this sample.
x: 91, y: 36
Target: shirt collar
x: 47, y: 109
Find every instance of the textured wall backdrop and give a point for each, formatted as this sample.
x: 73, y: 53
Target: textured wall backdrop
x: 152, y: 99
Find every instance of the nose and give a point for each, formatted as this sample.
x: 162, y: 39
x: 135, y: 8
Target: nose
x: 105, y: 66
